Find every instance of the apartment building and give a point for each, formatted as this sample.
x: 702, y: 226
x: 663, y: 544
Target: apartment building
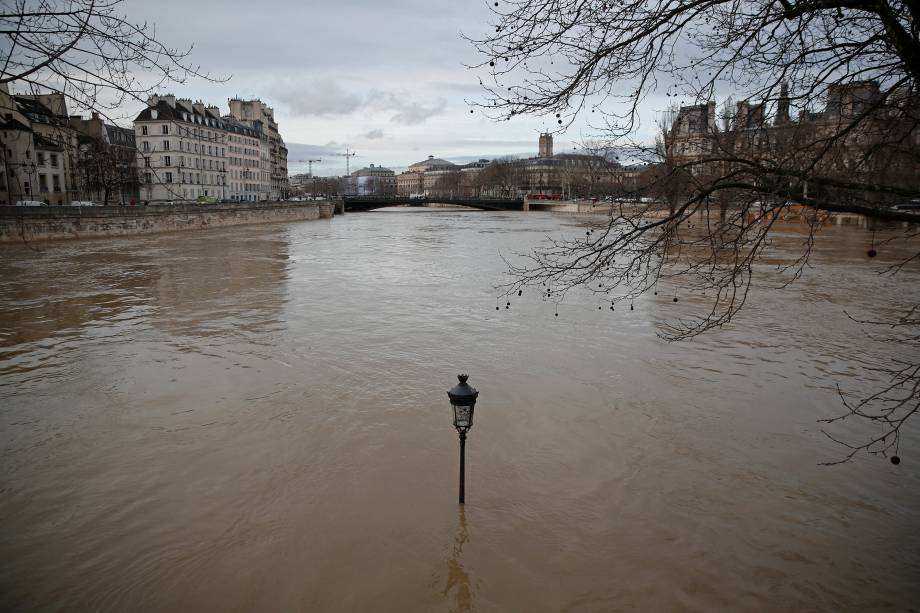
x: 248, y: 161
x: 253, y: 113
x: 39, y: 149
x: 181, y: 150
x: 107, y: 161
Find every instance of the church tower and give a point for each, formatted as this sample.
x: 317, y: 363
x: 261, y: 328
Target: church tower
x: 546, y: 145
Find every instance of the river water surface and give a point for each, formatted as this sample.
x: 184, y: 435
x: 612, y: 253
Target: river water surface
x: 255, y: 419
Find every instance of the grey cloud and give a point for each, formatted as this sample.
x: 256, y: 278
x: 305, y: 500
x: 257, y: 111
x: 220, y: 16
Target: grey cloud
x: 374, y: 134
x: 297, y: 151
x: 324, y: 97
x: 415, y: 113
x: 408, y: 112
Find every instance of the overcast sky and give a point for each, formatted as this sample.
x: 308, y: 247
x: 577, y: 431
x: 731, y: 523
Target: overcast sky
x: 385, y: 78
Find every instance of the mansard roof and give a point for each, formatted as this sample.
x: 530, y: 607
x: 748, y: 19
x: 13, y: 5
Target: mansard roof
x: 183, y: 111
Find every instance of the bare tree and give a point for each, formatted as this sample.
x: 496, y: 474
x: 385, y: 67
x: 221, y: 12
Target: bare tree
x: 87, y: 50
x: 827, y: 119
x: 108, y: 171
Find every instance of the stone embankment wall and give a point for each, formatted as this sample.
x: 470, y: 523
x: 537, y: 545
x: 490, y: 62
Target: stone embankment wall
x: 25, y: 224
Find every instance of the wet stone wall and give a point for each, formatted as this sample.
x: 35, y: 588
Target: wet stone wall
x: 26, y: 224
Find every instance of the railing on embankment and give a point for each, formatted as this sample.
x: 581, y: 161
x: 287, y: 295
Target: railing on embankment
x: 25, y: 224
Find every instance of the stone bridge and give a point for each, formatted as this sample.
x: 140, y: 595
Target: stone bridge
x: 367, y: 203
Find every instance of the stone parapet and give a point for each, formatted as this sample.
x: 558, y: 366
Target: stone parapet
x: 26, y: 224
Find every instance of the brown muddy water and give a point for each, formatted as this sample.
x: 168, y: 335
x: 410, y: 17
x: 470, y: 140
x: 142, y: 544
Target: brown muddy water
x: 255, y: 419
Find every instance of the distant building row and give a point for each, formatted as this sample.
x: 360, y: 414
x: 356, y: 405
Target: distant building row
x: 568, y: 174
x: 178, y: 150
x: 860, y: 134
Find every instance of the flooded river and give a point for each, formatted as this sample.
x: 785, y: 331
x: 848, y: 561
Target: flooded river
x: 255, y: 419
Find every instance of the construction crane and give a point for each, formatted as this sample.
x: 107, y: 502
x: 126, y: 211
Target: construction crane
x: 347, y: 155
x: 309, y: 165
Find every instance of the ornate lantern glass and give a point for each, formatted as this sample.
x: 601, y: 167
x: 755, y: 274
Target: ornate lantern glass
x: 463, y: 401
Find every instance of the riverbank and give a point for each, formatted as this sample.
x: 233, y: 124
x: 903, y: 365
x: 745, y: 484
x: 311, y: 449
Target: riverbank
x: 26, y: 224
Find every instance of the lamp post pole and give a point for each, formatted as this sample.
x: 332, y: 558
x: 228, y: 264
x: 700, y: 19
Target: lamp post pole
x: 462, y: 466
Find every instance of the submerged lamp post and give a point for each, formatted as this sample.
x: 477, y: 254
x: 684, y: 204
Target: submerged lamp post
x: 462, y: 401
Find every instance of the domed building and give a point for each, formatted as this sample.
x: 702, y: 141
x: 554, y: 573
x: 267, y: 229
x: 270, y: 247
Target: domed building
x: 372, y: 181
x: 420, y: 177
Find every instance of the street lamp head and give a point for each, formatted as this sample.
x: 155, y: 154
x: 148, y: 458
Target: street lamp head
x: 463, y: 400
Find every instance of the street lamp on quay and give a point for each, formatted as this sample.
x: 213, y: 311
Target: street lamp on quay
x: 462, y: 401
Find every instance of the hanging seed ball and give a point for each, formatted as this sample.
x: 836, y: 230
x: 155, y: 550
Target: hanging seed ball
x: 508, y: 303
x: 471, y: 110
x: 675, y: 298
x: 491, y: 63
x: 631, y: 307
x: 598, y: 308
x: 496, y: 4
x: 656, y: 293
x: 558, y: 115
x: 895, y: 460
x: 557, y: 314
x: 560, y: 121
x: 519, y: 292
x: 508, y: 306
x: 872, y: 253
x: 496, y: 308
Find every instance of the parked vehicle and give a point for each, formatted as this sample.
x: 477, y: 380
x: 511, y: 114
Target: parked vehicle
x: 83, y: 203
x: 908, y: 207
x: 29, y: 203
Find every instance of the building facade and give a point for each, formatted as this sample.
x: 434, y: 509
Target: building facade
x: 107, y: 162
x: 248, y: 175
x: 860, y: 137
x: 252, y: 112
x: 372, y: 181
x: 39, y: 149
x: 181, y: 150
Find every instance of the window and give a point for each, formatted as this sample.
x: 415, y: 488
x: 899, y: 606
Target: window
x: 145, y: 146
x: 54, y: 160
x: 143, y: 130
x: 42, y: 183
x: 56, y: 182
x: 165, y: 145
x: 167, y: 161
x: 181, y: 160
x: 147, y: 178
x: 209, y: 150
x: 146, y: 162
x: 165, y: 128
x: 169, y: 177
x: 40, y: 157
